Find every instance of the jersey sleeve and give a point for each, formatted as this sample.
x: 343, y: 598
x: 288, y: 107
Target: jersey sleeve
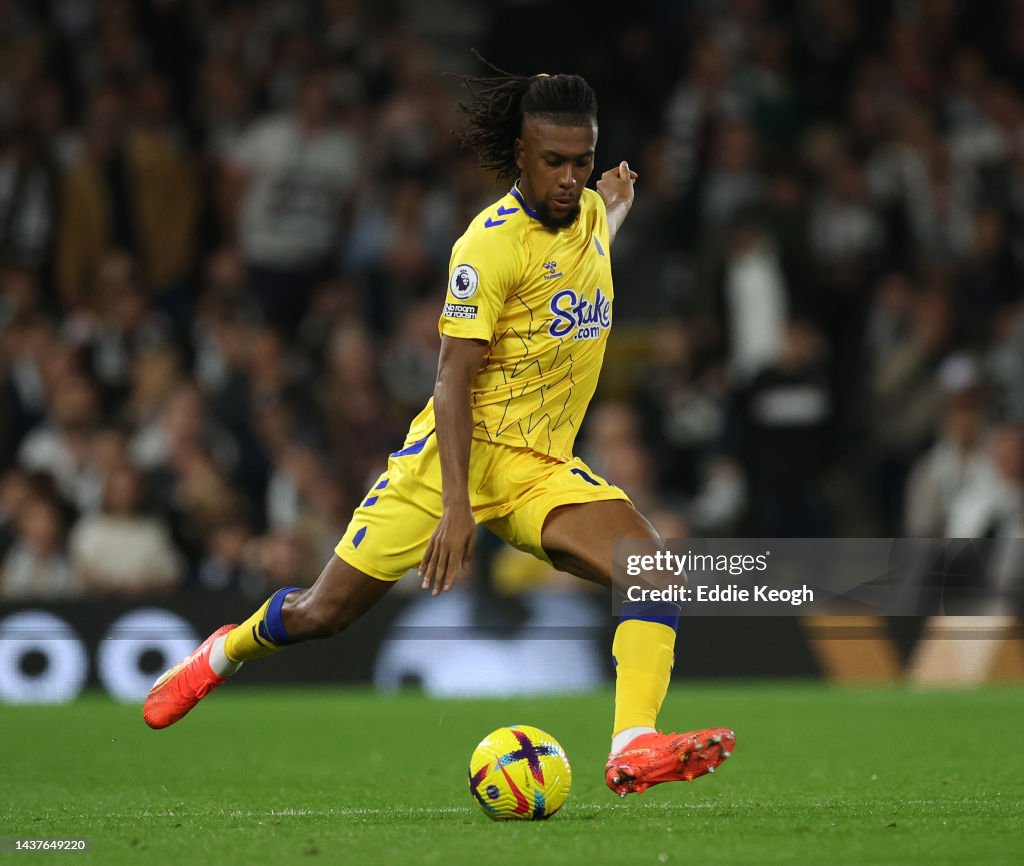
x: 601, y: 229
x: 484, y: 269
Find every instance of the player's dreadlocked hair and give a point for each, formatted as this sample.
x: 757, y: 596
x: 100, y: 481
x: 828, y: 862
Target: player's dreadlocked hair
x: 494, y: 117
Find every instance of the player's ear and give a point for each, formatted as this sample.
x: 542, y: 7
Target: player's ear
x: 519, y: 150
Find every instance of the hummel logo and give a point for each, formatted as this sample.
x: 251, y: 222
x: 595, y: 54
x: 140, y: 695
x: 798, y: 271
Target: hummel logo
x: 506, y: 211
x: 552, y: 272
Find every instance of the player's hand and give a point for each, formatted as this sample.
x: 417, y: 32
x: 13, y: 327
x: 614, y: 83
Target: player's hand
x: 450, y: 546
x: 616, y: 186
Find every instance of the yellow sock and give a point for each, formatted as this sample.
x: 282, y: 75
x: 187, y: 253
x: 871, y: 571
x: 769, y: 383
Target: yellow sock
x: 644, y: 653
x: 262, y: 634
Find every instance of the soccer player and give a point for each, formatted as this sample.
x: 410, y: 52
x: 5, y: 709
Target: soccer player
x: 524, y: 327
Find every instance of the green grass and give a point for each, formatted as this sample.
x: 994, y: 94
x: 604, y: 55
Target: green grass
x: 820, y: 775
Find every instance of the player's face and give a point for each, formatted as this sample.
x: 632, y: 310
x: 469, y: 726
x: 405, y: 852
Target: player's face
x: 555, y: 162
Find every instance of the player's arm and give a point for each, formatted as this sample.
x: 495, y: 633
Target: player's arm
x: 616, y: 188
x: 452, y: 543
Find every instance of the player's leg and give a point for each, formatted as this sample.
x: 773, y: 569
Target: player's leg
x: 340, y: 596
x: 578, y: 539
x: 385, y: 538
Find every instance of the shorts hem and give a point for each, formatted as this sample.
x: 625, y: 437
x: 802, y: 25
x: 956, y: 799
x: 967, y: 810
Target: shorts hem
x: 608, y: 494
x: 362, y: 565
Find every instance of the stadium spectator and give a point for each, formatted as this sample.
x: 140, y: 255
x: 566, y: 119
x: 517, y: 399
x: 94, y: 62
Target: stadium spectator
x: 16, y: 490
x: 270, y: 377
x: 610, y: 426
x: 28, y: 200
x: 59, y: 446
x: 37, y: 566
x: 650, y: 254
x: 989, y: 278
x: 156, y: 376
x: 733, y: 181
x: 197, y: 493
x: 359, y: 421
x: 226, y: 564
x: 123, y: 326
x: 705, y: 93
x: 956, y: 461
x: 284, y: 556
x: 292, y: 485
x: 290, y: 177
x: 25, y: 348
x: 846, y: 235
x: 224, y: 107
x: 991, y: 502
x: 751, y: 295
x: 397, y: 248
x: 181, y: 420
x: 1004, y: 363
x: 912, y: 333
x: 785, y: 418
x: 220, y: 324
x: 131, y: 188
x: 107, y: 447
x: 121, y: 550
x: 306, y: 500
x: 410, y: 366
x: 681, y: 401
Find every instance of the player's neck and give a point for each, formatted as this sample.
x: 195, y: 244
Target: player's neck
x: 529, y: 199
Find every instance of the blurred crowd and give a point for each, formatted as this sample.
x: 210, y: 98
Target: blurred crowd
x: 224, y: 240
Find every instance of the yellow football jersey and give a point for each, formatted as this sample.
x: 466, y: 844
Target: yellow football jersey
x: 542, y: 299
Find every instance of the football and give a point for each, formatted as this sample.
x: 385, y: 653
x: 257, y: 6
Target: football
x: 519, y: 773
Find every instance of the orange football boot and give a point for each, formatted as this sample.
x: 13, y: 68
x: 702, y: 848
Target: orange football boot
x: 182, y: 687
x: 651, y: 759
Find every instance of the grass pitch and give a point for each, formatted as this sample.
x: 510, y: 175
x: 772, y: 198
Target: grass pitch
x: 819, y: 775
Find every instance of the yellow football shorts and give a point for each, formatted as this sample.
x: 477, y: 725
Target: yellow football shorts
x: 511, y: 490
